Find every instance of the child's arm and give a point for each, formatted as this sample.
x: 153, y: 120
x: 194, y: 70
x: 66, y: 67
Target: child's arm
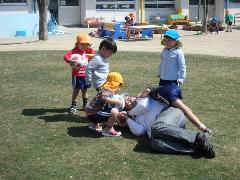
x: 182, y: 68
x: 145, y: 93
x: 92, y: 65
x: 113, y: 101
x: 67, y: 56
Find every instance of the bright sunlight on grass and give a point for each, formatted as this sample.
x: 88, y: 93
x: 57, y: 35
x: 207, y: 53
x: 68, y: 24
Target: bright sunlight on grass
x: 40, y: 140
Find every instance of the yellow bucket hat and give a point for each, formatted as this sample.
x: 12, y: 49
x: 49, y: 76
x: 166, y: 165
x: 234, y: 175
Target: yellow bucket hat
x: 114, y: 81
x: 83, y: 38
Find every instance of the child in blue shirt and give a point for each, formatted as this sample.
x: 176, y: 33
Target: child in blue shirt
x: 98, y: 68
x: 172, y: 68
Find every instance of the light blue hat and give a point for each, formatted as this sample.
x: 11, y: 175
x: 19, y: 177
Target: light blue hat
x: 172, y: 33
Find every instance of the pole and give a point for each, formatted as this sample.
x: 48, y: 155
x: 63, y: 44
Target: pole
x: 142, y: 11
x: 204, y: 17
x: 199, y: 3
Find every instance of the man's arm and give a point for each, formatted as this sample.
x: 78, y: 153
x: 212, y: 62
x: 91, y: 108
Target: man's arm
x: 140, y: 108
x: 135, y: 128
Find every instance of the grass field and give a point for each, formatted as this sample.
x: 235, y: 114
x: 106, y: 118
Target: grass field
x: 40, y: 140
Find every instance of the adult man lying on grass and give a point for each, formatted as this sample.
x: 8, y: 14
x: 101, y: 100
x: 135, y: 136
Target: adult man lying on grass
x: 150, y: 112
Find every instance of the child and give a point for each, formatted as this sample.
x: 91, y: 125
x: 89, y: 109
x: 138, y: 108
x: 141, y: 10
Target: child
x: 98, y: 69
x: 171, y: 95
x: 100, y: 109
x: 172, y: 68
x: 82, y: 47
x: 229, y: 21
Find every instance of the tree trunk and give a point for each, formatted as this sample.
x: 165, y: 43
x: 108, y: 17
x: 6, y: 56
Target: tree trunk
x: 204, y: 17
x: 43, y: 9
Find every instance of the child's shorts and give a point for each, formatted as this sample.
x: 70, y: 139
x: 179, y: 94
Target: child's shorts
x: 101, y: 116
x: 79, y: 83
x: 167, y: 93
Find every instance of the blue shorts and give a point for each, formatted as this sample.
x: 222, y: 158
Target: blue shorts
x: 100, y: 116
x: 167, y: 93
x: 79, y: 83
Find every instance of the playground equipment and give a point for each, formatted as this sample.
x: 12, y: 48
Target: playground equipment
x: 112, y: 29
x: 177, y: 19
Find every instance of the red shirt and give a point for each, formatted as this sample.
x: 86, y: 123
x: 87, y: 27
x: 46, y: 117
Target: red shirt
x: 81, y: 71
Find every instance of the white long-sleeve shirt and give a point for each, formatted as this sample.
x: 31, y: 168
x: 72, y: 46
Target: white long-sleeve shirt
x: 145, y: 117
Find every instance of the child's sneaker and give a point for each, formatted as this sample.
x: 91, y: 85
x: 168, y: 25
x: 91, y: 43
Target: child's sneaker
x: 95, y: 126
x: 73, y: 109
x: 111, y: 132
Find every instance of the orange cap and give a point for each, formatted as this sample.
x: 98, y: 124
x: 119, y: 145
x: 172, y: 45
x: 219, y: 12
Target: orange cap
x: 114, y: 81
x: 83, y: 38
x: 132, y: 15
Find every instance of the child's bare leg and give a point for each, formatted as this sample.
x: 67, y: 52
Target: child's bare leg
x: 84, y: 97
x: 75, y: 94
x: 187, y: 111
x: 113, y: 118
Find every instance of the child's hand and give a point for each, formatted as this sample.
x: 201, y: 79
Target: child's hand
x: 71, y: 62
x: 144, y: 93
x: 122, y: 118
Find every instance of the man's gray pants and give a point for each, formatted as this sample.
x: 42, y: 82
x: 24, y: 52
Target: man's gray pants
x: 169, y: 135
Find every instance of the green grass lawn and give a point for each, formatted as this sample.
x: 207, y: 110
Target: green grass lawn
x: 40, y: 140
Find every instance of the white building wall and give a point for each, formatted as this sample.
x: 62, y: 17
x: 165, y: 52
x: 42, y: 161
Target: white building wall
x: 193, y: 12
x: 69, y: 15
x: 183, y: 5
x: 234, y: 8
x: 219, y: 9
x: 108, y: 15
x: 161, y: 13
x: 18, y: 8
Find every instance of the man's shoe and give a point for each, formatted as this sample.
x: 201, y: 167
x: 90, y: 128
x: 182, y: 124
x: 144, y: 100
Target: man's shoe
x: 203, y: 145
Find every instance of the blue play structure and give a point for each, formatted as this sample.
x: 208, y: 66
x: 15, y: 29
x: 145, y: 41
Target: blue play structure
x: 112, y: 29
x: 115, y: 30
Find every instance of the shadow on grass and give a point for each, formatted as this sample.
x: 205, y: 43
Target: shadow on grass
x: 41, y: 111
x: 56, y: 117
x: 83, y: 131
x: 64, y: 117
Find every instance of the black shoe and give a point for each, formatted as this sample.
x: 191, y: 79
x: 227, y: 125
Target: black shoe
x: 203, y: 145
x: 84, y: 107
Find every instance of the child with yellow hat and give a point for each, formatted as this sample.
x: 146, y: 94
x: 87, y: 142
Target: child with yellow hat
x: 100, y: 110
x: 82, y: 47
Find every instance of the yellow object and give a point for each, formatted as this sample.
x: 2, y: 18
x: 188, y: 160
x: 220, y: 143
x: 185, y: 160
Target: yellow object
x: 83, y: 38
x: 109, y: 25
x: 142, y: 11
x: 114, y: 81
x: 179, y: 11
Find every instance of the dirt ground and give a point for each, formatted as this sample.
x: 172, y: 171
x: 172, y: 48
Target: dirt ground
x: 222, y: 44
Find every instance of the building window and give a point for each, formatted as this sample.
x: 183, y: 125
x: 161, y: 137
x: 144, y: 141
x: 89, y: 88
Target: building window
x: 234, y: 1
x: 13, y: 1
x: 195, y: 2
x: 69, y: 2
x: 159, y: 4
x: 115, y: 4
